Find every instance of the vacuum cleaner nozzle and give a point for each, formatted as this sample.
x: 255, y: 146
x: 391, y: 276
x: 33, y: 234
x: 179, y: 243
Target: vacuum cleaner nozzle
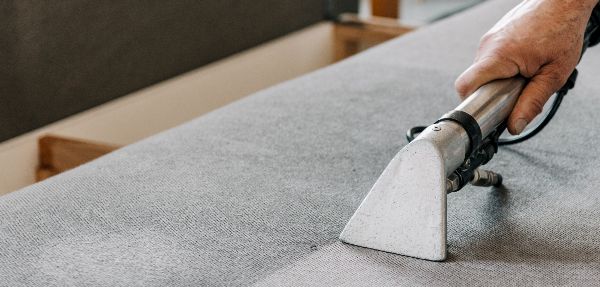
x: 405, y: 211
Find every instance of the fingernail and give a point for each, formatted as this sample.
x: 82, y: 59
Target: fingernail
x: 520, y: 125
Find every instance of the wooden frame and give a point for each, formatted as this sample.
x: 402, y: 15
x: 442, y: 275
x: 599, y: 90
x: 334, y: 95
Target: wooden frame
x: 58, y: 154
x: 353, y: 34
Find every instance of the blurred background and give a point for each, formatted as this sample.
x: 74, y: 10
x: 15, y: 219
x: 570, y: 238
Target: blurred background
x: 79, y: 78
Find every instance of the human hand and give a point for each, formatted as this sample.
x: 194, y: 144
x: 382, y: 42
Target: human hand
x: 540, y: 40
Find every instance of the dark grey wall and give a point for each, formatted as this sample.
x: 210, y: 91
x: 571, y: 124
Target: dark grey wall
x: 62, y: 57
x: 337, y: 7
x: 9, y: 88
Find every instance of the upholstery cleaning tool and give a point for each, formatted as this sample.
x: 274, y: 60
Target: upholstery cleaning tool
x: 405, y: 211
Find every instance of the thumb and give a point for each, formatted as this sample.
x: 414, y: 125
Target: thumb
x: 482, y: 72
x: 533, y: 98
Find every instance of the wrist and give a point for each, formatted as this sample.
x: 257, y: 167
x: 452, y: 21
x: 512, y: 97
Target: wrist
x: 587, y: 5
x: 572, y: 11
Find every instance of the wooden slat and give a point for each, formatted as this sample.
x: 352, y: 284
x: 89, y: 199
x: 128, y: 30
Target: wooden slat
x: 58, y: 154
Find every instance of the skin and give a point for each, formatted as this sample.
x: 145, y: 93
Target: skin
x: 540, y: 40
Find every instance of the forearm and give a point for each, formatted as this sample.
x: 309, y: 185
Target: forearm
x: 580, y: 5
x: 586, y: 4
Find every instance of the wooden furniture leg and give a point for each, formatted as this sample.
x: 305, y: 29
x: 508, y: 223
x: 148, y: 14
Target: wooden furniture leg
x: 386, y: 8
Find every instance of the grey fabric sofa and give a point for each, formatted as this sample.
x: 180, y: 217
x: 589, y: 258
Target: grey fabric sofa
x: 60, y: 58
x: 257, y: 192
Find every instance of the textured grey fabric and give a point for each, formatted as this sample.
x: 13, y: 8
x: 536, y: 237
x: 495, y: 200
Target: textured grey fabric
x: 258, y: 191
x: 58, y: 58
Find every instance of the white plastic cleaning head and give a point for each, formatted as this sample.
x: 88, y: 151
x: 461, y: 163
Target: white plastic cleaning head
x: 405, y: 211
